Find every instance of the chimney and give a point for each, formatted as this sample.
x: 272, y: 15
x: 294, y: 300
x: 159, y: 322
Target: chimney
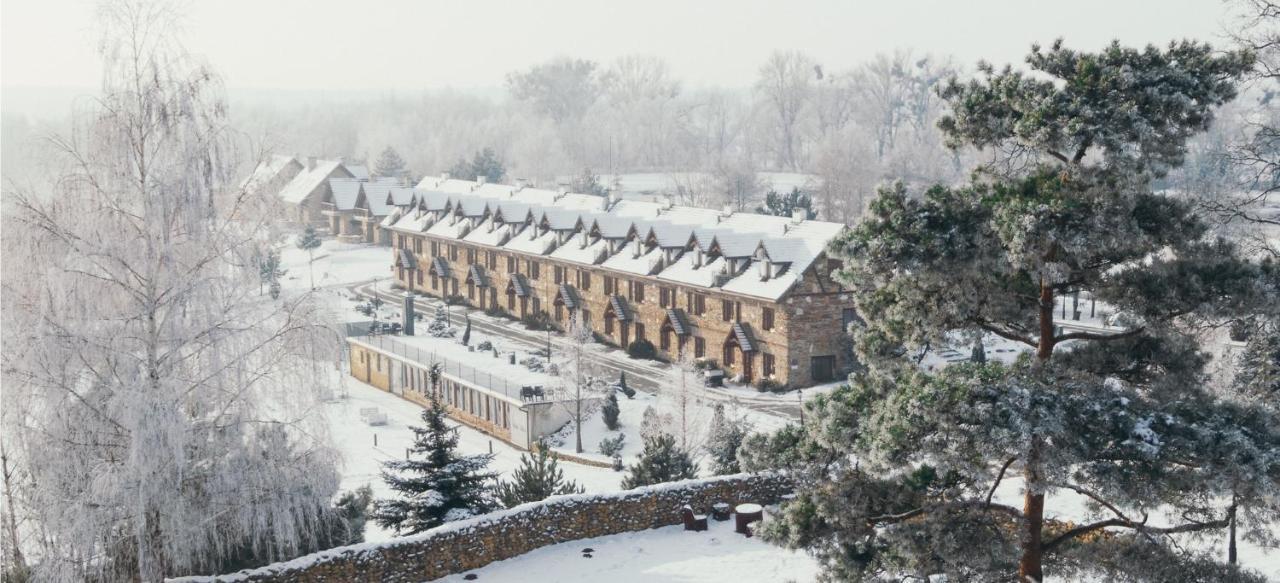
x: 311, y: 162
x: 444, y: 176
x: 798, y: 215
x: 560, y: 194
x: 613, y: 198
x: 639, y: 246
x: 726, y: 210
x: 522, y: 183
x: 697, y: 257
x: 482, y: 179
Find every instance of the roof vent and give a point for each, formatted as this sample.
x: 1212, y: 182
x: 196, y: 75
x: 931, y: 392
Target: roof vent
x: 311, y: 162
x: 798, y: 215
x: 481, y: 180
x: 726, y: 210
x: 444, y: 176
x: 522, y: 183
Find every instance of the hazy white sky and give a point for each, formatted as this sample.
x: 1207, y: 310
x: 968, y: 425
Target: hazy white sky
x: 407, y: 45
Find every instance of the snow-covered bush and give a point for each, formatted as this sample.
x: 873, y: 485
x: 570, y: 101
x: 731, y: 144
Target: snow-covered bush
x: 612, y: 446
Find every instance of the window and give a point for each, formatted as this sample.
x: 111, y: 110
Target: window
x: 537, y: 305
x: 767, y: 323
x: 471, y: 256
x: 453, y: 253
x: 726, y: 310
x: 417, y: 245
x: 699, y: 304
x: 511, y: 265
x: 584, y: 280
x: 847, y: 317
x: 699, y: 347
x: 435, y: 248
x: 637, y: 292
x: 766, y: 362
x: 664, y: 339
x: 666, y: 297
x: 532, y: 267
x: 608, y: 324
x: 639, y: 331
x: 493, y: 260
x: 559, y: 274
x: 608, y: 285
x: 419, y: 277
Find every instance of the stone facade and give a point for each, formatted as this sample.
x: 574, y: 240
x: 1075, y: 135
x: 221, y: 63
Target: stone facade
x: 471, y: 544
x: 805, y: 324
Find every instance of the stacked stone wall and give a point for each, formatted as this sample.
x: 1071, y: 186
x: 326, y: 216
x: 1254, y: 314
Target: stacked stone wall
x: 471, y: 544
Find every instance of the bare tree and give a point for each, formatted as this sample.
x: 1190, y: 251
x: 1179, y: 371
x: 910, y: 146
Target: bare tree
x: 682, y: 405
x: 786, y: 85
x: 160, y: 411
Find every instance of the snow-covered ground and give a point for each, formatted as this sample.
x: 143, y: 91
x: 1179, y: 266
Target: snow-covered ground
x: 336, y: 264
x: 662, y: 554
x: 362, y: 460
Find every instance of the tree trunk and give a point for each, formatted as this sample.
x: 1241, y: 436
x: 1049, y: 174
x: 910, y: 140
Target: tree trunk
x: 1231, y: 534
x: 19, y: 563
x: 311, y: 267
x: 1030, y: 566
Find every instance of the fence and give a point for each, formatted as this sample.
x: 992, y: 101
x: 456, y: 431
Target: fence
x: 509, y: 388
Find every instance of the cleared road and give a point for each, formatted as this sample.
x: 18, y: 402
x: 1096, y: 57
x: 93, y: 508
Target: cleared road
x: 646, y: 375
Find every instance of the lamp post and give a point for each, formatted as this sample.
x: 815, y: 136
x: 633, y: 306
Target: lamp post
x: 549, y: 328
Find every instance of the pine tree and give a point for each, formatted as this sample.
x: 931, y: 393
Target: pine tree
x: 610, y: 411
x: 439, y: 326
x: 436, y: 485
x: 309, y: 242
x: 661, y: 461
x: 589, y: 183
x: 485, y: 163
x: 389, y: 164
x: 269, y: 272
x: 898, y: 470
x: 727, y: 435
x: 466, y: 333
x: 538, y: 477
x: 784, y: 205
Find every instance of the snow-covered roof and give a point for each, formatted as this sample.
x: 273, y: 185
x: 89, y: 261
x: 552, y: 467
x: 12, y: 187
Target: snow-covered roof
x: 529, y: 241
x: 308, y: 180
x: 359, y: 171
x: 488, y: 233
x: 450, y: 228
x: 626, y: 260
x: 270, y: 170
x: 377, y: 192
x: 401, y: 195
x: 346, y: 193
x: 575, y: 251
x: 786, y: 245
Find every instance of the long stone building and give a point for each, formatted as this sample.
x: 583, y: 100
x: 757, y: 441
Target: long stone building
x: 753, y: 293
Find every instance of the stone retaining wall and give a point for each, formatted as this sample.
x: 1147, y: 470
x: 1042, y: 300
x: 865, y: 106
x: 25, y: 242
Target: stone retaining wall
x: 470, y: 544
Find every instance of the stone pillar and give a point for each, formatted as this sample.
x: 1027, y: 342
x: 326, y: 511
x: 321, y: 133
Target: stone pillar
x: 408, y: 314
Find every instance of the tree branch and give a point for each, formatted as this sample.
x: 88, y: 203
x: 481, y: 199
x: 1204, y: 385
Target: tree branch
x: 1101, y: 337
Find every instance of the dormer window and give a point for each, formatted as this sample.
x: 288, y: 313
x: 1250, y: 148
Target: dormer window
x: 765, y: 269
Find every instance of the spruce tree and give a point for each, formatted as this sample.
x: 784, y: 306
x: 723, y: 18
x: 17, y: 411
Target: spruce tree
x: 435, y: 485
x: 309, y: 242
x: 389, y: 164
x: 661, y: 461
x: 727, y: 435
x: 610, y: 411
x: 538, y: 477
x: 783, y: 205
x: 898, y: 471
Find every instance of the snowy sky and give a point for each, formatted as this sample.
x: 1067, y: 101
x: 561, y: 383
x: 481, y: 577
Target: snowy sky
x: 407, y: 45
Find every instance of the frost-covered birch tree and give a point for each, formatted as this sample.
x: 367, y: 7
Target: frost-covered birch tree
x: 901, y: 470
x: 583, y: 385
x: 158, y: 411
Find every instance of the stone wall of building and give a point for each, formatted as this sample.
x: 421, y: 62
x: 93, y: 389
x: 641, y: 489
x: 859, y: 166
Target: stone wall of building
x: 471, y: 544
x: 810, y: 314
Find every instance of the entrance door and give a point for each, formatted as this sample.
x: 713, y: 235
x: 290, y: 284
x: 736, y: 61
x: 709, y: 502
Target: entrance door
x: 823, y: 368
